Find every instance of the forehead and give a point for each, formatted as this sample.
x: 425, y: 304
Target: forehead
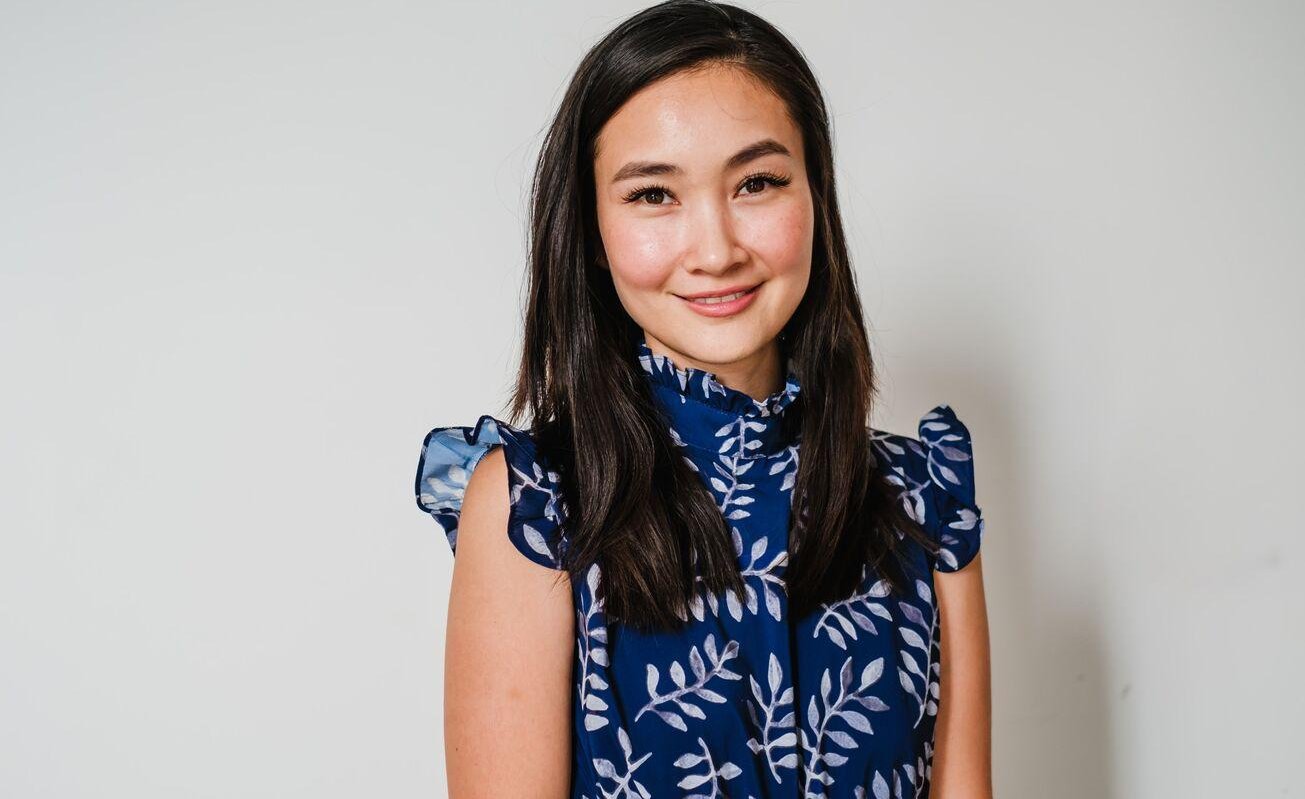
x: 696, y: 119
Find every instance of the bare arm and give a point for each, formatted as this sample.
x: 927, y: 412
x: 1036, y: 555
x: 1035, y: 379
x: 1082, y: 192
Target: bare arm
x: 507, y: 667
x: 962, y: 758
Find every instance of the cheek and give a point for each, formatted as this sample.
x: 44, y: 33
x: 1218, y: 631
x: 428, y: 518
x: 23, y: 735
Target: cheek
x: 783, y: 238
x: 641, y: 256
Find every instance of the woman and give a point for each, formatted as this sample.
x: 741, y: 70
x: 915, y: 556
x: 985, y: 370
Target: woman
x: 716, y: 579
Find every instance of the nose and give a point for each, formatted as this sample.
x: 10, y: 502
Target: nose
x: 716, y: 248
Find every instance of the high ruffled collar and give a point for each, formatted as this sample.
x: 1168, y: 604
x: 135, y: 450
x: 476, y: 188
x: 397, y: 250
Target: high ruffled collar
x: 710, y: 415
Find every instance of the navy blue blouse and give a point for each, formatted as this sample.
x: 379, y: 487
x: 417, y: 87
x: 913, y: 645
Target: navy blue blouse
x: 747, y: 701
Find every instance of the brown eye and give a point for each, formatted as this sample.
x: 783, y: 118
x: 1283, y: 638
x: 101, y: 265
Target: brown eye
x: 638, y: 194
x: 762, y: 178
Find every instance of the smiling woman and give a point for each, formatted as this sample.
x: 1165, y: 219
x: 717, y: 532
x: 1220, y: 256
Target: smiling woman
x: 698, y: 568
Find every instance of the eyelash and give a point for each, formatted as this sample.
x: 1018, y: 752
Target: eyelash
x: 778, y: 181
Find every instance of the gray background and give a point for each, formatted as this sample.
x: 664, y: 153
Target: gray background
x: 251, y: 252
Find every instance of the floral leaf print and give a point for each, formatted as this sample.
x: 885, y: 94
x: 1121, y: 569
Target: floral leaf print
x: 897, y: 784
x: 821, y: 716
x: 733, y: 496
x: 626, y: 786
x: 949, y: 463
x: 889, y: 442
x: 841, y: 619
x: 783, y: 729
x: 966, y: 520
x: 915, y: 773
x: 683, y: 689
x: 912, y: 497
x: 926, y: 641
x: 726, y: 771
x: 536, y: 541
x: 733, y: 437
x: 880, y: 785
x: 756, y: 569
x: 941, y: 455
x: 763, y: 573
x: 591, y: 650
x: 538, y: 480
x: 544, y: 483
x: 787, y: 459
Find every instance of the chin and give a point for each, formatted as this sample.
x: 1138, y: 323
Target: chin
x: 720, y: 344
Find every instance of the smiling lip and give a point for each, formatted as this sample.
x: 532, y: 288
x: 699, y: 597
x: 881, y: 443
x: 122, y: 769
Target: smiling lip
x: 718, y: 307
x: 721, y: 293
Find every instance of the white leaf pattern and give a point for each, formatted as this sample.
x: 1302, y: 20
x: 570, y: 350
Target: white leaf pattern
x: 778, y: 734
x: 840, y: 620
x: 698, y: 688
x: 714, y: 774
x: 626, y: 785
x: 834, y: 707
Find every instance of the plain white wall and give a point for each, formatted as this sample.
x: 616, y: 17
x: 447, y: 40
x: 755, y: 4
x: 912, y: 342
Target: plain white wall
x: 251, y: 252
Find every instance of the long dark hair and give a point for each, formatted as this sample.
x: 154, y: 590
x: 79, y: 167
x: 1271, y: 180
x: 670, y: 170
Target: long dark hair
x: 629, y: 502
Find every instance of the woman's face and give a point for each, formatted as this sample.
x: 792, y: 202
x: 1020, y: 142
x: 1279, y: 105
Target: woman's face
x: 701, y: 188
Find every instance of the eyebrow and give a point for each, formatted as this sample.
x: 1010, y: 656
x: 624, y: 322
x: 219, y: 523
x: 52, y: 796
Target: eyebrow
x: 644, y: 169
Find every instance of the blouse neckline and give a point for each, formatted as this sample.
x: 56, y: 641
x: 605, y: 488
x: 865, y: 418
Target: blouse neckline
x: 707, y: 414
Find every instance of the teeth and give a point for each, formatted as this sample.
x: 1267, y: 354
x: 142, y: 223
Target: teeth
x: 715, y: 300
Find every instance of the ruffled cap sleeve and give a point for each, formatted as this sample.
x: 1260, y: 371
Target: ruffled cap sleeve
x: 955, y: 518
x: 448, y: 457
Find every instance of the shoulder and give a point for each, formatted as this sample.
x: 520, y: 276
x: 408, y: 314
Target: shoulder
x: 529, y: 488
x: 936, y: 471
